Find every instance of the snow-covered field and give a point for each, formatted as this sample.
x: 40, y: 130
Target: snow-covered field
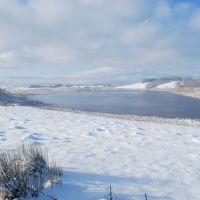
x: 162, y: 160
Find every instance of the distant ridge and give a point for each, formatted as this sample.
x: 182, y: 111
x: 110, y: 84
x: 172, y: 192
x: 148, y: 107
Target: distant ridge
x: 5, y: 97
x: 8, y: 99
x: 162, y: 84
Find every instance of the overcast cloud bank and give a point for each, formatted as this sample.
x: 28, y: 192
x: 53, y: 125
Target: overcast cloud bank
x: 99, y: 40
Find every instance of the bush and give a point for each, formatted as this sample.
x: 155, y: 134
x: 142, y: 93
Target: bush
x: 25, y: 171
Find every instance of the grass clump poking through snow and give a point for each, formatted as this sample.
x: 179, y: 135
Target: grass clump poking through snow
x: 26, y: 171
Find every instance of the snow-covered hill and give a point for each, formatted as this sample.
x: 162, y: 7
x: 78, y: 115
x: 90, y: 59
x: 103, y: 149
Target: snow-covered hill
x: 151, y: 85
x: 135, y: 157
x: 168, y: 85
x: 136, y: 86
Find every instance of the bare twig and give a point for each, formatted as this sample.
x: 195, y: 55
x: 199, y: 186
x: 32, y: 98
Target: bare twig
x: 110, y: 195
x: 146, y: 196
x: 45, y: 194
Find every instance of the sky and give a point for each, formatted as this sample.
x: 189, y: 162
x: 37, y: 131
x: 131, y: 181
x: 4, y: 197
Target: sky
x: 99, y: 41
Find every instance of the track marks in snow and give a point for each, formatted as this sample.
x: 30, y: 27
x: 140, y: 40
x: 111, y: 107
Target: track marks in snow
x: 35, y: 137
x: 20, y: 127
x: 2, y: 136
x: 140, y: 133
x: 99, y: 131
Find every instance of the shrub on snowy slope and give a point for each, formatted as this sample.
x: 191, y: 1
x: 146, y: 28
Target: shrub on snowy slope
x: 4, y: 96
x: 25, y: 171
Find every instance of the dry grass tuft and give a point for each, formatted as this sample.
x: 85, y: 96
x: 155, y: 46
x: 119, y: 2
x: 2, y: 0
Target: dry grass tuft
x: 25, y: 171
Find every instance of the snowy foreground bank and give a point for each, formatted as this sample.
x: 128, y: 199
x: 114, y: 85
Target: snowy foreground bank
x: 162, y: 160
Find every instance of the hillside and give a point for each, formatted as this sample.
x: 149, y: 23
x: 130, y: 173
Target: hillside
x: 6, y: 98
x: 186, y: 87
x: 136, y: 86
x: 168, y: 85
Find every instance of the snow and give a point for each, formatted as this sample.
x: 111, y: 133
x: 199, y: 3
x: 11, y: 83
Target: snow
x: 162, y: 160
x: 39, y: 89
x: 168, y: 85
x: 136, y: 86
x: 144, y: 86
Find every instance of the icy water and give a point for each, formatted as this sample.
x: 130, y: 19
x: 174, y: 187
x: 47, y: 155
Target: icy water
x: 145, y: 103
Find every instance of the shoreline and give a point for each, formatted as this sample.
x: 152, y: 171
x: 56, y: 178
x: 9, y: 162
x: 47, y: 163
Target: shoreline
x: 187, y: 92
x: 195, y: 94
x: 149, y: 119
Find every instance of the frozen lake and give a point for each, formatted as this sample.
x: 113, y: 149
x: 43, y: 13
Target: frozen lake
x: 162, y: 104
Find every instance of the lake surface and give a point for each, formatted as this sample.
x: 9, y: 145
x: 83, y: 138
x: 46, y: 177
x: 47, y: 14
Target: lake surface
x: 145, y: 103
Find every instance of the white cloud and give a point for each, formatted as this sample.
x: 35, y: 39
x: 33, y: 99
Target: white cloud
x: 90, y: 75
x: 87, y: 35
x: 7, y: 57
x: 162, y: 10
x: 183, y: 7
x: 195, y: 20
x: 141, y: 34
x: 53, y: 55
